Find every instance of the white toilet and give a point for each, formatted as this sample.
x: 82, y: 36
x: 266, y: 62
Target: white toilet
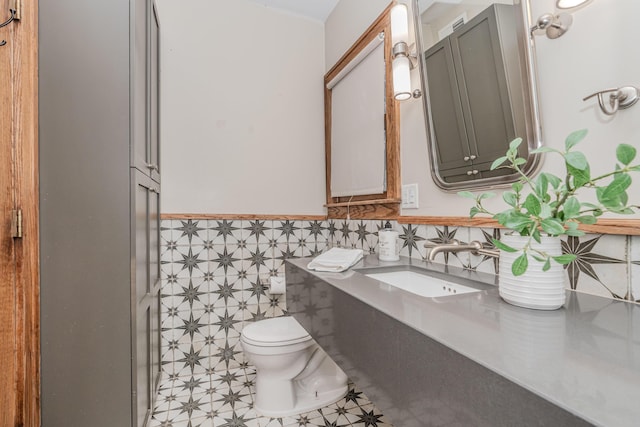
x: 293, y: 374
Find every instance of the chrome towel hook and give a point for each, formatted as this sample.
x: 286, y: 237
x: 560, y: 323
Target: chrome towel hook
x: 619, y: 99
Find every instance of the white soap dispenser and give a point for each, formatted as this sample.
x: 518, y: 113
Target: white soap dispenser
x: 388, y: 245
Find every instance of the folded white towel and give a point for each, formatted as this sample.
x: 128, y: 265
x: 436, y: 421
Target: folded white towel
x: 336, y: 260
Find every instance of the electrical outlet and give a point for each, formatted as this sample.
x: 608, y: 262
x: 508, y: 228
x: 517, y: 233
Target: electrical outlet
x: 410, y: 196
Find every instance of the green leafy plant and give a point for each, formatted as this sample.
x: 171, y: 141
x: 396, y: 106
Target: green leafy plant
x: 550, y: 205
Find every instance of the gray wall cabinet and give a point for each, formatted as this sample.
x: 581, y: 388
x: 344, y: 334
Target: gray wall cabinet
x: 471, y: 75
x: 99, y: 202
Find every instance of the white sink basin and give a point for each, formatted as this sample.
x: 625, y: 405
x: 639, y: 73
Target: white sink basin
x: 421, y: 284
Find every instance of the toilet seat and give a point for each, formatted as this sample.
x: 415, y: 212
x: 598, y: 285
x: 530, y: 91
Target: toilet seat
x: 275, y: 332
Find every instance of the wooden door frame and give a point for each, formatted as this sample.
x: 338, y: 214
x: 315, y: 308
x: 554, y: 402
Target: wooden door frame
x: 22, y: 45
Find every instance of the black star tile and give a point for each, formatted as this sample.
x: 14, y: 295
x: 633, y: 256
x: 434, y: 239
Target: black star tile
x: 585, y: 259
x: 190, y: 293
x: 225, y: 229
x: 287, y: 229
x: 231, y: 398
x: 192, y: 383
x: 190, y: 405
x: 409, y: 238
x: 191, y: 359
x: 315, y: 229
x: 227, y: 354
x: 362, y: 233
x: 257, y: 230
x: 258, y: 258
x: 235, y: 421
x: 191, y: 326
x: 226, y: 291
x: 190, y: 261
x: 353, y: 396
x: 225, y: 259
x: 190, y: 229
x: 226, y: 322
x: 369, y: 418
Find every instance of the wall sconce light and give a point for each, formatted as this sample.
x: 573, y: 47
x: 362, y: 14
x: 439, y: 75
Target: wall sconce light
x: 555, y: 26
x: 403, y: 59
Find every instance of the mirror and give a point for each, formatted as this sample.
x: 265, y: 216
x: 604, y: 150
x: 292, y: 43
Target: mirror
x: 476, y: 59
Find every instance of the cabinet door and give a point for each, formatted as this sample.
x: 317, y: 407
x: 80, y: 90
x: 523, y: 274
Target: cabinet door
x: 154, y: 96
x: 144, y: 89
x: 145, y: 295
x: 484, y: 94
x: 446, y: 109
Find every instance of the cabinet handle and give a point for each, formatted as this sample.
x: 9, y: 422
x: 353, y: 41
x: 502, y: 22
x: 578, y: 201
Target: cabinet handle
x: 152, y: 167
x: 473, y: 157
x: 469, y: 173
x: 475, y: 172
x: 154, y: 190
x: 466, y: 158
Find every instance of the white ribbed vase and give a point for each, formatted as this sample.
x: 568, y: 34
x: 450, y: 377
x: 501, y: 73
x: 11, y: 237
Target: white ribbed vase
x: 536, y: 289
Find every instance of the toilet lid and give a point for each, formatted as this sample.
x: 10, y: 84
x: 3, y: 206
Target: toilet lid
x: 279, y: 330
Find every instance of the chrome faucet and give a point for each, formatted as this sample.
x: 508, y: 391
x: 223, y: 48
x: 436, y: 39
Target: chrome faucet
x: 475, y: 247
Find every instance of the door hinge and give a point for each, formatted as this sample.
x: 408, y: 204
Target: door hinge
x: 16, y: 223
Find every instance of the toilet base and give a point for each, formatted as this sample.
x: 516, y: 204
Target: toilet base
x: 306, y: 403
x: 320, y: 384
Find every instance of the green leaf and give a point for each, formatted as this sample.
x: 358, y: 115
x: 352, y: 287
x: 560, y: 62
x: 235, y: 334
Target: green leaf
x: 498, y: 244
x: 545, y: 211
x: 516, y: 221
x: 574, y: 138
x: 543, y: 150
x: 532, y: 205
x: 510, y: 198
x: 473, y: 212
x: 486, y: 196
x: 498, y: 162
x: 625, y: 154
x: 552, y: 226
x: 467, y: 194
x: 571, y: 208
x: 542, y: 183
x: 587, y: 219
x: 536, y: 235
x: 553, y: 180
x: 539, y: 258
x: 618, y: 186
x: 634, y: 168
x: 513, y: 145
x: 519, y: 161
x: 564, y: 259
x: 517, y: 186
x: 574, y: 233
x: 547, y: 265
x: 580, y: 176
x: 520, y: 265
x: 577, y: 160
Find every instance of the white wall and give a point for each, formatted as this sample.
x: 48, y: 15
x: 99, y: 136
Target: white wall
x: 242, y: 109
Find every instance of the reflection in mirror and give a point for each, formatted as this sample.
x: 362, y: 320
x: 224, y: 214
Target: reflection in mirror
x: 479, y: 87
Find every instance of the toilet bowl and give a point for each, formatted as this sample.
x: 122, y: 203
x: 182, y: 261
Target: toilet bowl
x: 293, y: 374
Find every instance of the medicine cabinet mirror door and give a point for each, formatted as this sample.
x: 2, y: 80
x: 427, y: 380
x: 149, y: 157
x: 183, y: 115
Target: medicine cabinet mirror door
x: 480, y: 90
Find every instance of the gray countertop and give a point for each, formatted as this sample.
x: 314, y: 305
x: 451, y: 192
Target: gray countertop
x: 584, y: 357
